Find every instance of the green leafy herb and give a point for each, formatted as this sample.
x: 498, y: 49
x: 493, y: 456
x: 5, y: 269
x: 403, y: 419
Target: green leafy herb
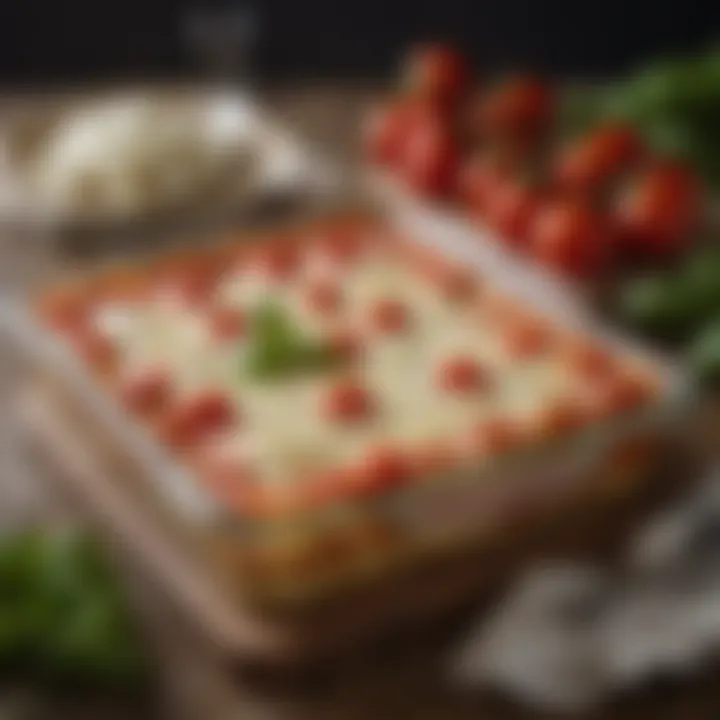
x: 705, y: 354
x: 675, y: 103
x: 675, y: 305
x: 61, y: 615
x: 278, y: 349
x: 270, y: 323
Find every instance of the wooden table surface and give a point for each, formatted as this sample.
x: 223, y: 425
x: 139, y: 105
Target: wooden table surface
x: 405, y: 680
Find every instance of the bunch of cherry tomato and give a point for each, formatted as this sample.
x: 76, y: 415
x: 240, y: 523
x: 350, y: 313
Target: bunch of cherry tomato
x: 581, y: 206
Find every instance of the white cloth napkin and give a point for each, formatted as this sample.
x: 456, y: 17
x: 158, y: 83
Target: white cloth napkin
x: 567, y: 636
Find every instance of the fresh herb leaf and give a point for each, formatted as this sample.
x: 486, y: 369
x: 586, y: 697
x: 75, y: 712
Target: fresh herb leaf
x: 704, y: 354
x: 278, y: 349
x: 270, y: 324
x: 63, y: 619
x: 674, y: 104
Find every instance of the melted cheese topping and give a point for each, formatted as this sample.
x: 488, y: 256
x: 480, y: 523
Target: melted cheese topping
x: 284, y: 434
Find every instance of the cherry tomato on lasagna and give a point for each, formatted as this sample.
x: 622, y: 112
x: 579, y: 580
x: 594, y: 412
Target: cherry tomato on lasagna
x: 347, y: 401
x: 389, y: 316
x: 324, y: 297
x: 526, y: 338
x: 197, y: 417
x: 462, y: 374
x: 382, y: 468
x: 147, y: 391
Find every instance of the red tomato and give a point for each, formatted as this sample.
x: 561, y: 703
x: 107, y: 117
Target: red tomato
x: 389, y: 316
x: 461, y: 374
x: 455, y: 282
x: 588, y: 360
x: 458, y: 285
x: 511, y: 210
x: 660, y: 210
x: 228, y: 323
x: 381, y: 468
x: 570, y: 237
x: 430, y: 159
x: 347, y: 401
x: 324, y: 297
x: 148, y: 391
x: 479, y: 179
x: 385, y: 131
x: 197, y: 417
x: 521, y: 107
x: 436, y: 73
x: 598, y: 156
x: 526, y: 339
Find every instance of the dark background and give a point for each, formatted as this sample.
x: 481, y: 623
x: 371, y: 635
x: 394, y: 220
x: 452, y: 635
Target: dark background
x: 47, y: 41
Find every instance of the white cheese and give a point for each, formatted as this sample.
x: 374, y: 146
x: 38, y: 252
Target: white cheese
x: 284, y: 432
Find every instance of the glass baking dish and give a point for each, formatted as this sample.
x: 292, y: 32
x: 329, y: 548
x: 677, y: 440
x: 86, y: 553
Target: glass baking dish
x: 440, y: 220
x: 296, y: 554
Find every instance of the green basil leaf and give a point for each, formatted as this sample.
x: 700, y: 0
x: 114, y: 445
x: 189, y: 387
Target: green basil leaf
x: 279, y: 350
